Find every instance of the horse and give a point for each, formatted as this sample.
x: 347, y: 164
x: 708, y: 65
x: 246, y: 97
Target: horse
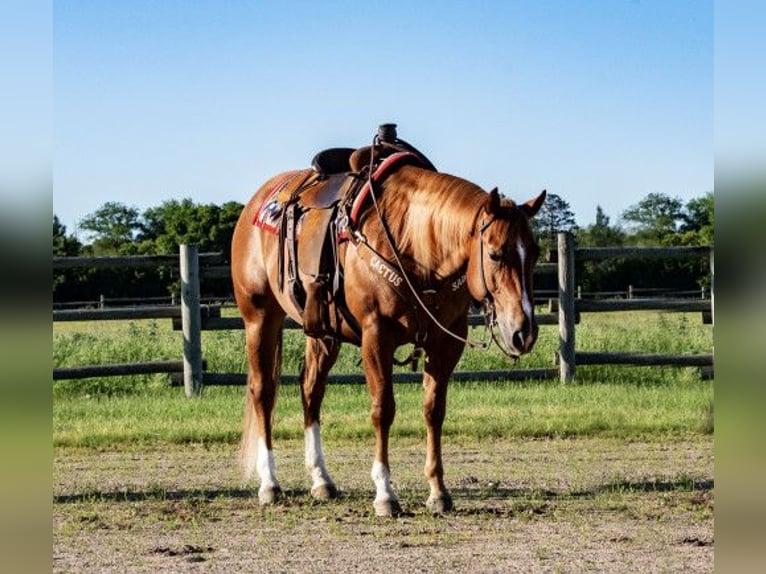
x: 411, y: 253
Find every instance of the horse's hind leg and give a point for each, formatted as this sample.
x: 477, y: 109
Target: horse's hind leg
x: 263, y: 335
x: 319, y: 358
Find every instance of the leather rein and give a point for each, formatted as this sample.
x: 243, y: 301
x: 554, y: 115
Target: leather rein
x: 488, y: 301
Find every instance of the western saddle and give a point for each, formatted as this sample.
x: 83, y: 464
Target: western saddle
x: 327, y: 199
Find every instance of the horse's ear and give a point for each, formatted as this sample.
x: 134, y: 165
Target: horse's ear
x: 531, y: 207
x: 493, y: 202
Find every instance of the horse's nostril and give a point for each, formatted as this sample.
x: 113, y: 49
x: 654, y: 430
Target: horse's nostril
x: 518, y: 340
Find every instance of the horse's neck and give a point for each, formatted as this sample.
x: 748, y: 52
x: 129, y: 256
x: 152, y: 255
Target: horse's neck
x: 435, y: 215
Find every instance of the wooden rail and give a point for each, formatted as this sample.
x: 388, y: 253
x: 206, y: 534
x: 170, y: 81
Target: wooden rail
x: 206, y: 259
x: 596, y: 358
x: 232, y: 379
x: 191, y: 317
x: 569, y: 305
x: 117, y: 369
x: 214, y: 322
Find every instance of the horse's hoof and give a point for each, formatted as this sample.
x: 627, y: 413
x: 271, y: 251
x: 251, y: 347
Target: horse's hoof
x: 270, y: 495
x: 387, y: 508
x: 439, y: 504
x: 324, y: 492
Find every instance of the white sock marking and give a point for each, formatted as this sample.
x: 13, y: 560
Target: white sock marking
x: 265, y: 465
x: 382, y: 479
x: 315, y: 457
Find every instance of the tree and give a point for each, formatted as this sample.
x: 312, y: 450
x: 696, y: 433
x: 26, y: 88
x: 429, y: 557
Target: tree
x: 600, y: 275
x: 698, y: 221
x: 64, y: 245
x: 114, y: 228
x: 600, y: 234
x: 209, y: 226
x: 659, y: 219
x: 555, y: 216
x: 655, y: 220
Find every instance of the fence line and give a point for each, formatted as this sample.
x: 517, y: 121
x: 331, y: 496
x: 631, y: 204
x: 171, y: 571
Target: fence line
x: 570, y: 305
x: 116, y: 369
x: 208, y: 259
x: 192, y: 317
x: 542, y: 296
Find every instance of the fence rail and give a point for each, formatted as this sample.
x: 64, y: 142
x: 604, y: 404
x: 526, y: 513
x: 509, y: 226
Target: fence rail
x: 116, y: 369
x: 207, y: 259
x: 192, y: 317
x: 569, y: 305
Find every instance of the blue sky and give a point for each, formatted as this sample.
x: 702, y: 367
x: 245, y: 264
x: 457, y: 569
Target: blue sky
x: 600, y: 102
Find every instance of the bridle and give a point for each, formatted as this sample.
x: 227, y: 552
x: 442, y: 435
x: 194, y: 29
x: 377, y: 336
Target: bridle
x: 488, y: 301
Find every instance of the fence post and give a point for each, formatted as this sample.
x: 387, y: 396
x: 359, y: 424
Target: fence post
x: 191, y: 321
x: 566, y: 306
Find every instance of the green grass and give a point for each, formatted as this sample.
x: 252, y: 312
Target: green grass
x: 476, y: 410
x: 610, y: 400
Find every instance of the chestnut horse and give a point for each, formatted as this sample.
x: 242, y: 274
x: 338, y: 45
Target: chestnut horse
x: 419, y: 252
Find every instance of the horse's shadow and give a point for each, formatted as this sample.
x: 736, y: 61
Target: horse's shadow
x: 488, y: 495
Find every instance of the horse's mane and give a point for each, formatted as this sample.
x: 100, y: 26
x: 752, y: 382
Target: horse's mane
x: 433, y: 215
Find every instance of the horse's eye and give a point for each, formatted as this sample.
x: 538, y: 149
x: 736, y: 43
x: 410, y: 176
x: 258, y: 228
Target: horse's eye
x: 495, y: 255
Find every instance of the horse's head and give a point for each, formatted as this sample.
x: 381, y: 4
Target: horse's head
x: 500, y: 268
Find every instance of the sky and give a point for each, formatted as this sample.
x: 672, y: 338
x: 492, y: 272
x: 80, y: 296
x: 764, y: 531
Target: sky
x: 600, y: 102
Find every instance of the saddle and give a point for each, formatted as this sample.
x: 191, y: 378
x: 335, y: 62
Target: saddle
x: 318, y: 206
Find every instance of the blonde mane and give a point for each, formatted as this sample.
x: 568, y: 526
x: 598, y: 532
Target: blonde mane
x: 432, y: 216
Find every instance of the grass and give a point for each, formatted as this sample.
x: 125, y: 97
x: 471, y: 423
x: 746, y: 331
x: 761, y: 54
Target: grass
x: 615, y: 401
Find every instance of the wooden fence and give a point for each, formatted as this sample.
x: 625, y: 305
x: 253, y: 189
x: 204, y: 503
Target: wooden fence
x: 569, y: 306
x: 192, y: 317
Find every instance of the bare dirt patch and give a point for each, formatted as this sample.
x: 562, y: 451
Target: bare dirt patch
x: 569, y: 505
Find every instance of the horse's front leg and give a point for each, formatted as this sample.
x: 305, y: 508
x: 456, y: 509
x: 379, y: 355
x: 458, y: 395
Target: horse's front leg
x: 319, y: 358
x: 377, y: 357
x: 442, y: 358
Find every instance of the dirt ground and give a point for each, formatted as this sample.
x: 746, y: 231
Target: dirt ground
x: 568, y: 505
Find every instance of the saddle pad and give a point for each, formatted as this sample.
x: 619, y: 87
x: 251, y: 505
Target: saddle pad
x: 270, y: 212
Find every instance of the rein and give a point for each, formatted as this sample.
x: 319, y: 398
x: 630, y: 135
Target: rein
x: 487, y: 304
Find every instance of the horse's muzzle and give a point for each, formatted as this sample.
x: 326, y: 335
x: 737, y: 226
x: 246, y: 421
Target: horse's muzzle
x: 519, y: 339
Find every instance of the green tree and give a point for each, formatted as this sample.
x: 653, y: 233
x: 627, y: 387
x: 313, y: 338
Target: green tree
x: 114, y: 228
x: 64, y: 245
x: 655, y: 220
x: 555, y: 216
x: 599, y: 275
x: 208, y: 226
x: 698, y: 220
x: 659, y: 219
x: 600, y: 233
